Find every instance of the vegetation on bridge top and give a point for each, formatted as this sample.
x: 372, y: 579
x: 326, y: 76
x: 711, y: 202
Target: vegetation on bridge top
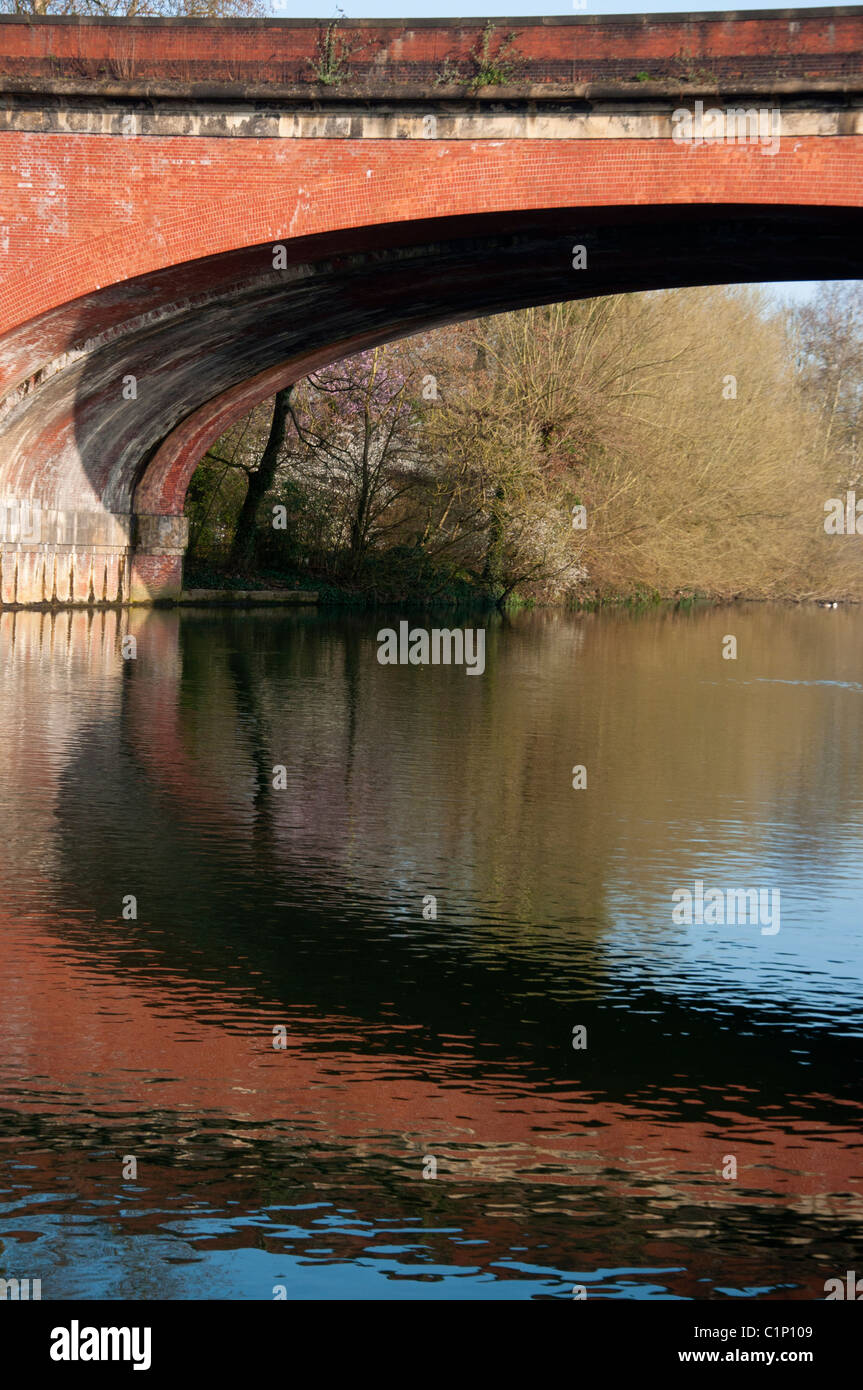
x: 238, y: 42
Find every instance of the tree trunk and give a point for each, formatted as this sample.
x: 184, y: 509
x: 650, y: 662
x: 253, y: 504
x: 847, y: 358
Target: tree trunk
x: 360, y: 521
x: 260, y: 482
x: 491, y: 572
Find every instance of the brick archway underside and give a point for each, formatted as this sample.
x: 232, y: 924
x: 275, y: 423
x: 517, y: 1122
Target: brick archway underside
x: 208, y: 337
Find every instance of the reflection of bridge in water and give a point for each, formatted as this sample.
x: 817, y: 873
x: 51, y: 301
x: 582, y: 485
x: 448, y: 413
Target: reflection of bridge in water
x: 166, y: 1022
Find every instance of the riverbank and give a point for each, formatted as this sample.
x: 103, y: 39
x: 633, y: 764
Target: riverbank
x: 268, y: 585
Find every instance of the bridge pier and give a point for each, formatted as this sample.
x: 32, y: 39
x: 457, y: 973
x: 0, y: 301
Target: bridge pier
x: 157, y: 559
x: 75, y: 558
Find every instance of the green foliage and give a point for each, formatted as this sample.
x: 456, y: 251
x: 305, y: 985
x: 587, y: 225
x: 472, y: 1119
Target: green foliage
x: 197, y: 574
x: 405, y: 574
x: 490, y: 66
x: 495, y: 67
x: 213, y: 503
x: 331, y: 61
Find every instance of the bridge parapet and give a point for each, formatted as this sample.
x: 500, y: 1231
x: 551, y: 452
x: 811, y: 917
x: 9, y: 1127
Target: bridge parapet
x: 483, y: 57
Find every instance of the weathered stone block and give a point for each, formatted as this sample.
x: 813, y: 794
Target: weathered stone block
x: 8, y: 575
x: 161, y: 535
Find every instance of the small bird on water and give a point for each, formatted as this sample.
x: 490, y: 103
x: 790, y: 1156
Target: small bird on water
x: 827, y: 603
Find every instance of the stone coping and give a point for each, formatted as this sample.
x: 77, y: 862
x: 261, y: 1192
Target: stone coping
x: 244, y: 596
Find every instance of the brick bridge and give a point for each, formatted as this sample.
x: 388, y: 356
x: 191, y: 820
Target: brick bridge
x: 414, y: 173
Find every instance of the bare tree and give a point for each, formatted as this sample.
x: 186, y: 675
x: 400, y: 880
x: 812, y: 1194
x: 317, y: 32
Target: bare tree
x: 136, y: 9
x: 829, y: 340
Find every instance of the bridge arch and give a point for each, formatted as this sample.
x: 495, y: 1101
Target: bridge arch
x: 124, y: 353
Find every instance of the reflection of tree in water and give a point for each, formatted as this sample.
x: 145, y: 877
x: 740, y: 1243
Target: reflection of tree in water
x: 253, y: 905
x: 301, y: 892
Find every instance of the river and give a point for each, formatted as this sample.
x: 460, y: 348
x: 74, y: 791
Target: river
x: 420, y: 1020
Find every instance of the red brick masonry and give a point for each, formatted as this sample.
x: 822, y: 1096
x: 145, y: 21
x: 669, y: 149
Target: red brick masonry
x: 724, y: 46
x: 148, y: 252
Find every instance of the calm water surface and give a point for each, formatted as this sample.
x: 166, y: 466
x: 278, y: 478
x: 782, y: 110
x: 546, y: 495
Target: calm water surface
x: 408, y: 1039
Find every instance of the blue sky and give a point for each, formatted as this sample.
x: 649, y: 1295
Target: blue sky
x: 453, y: 9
